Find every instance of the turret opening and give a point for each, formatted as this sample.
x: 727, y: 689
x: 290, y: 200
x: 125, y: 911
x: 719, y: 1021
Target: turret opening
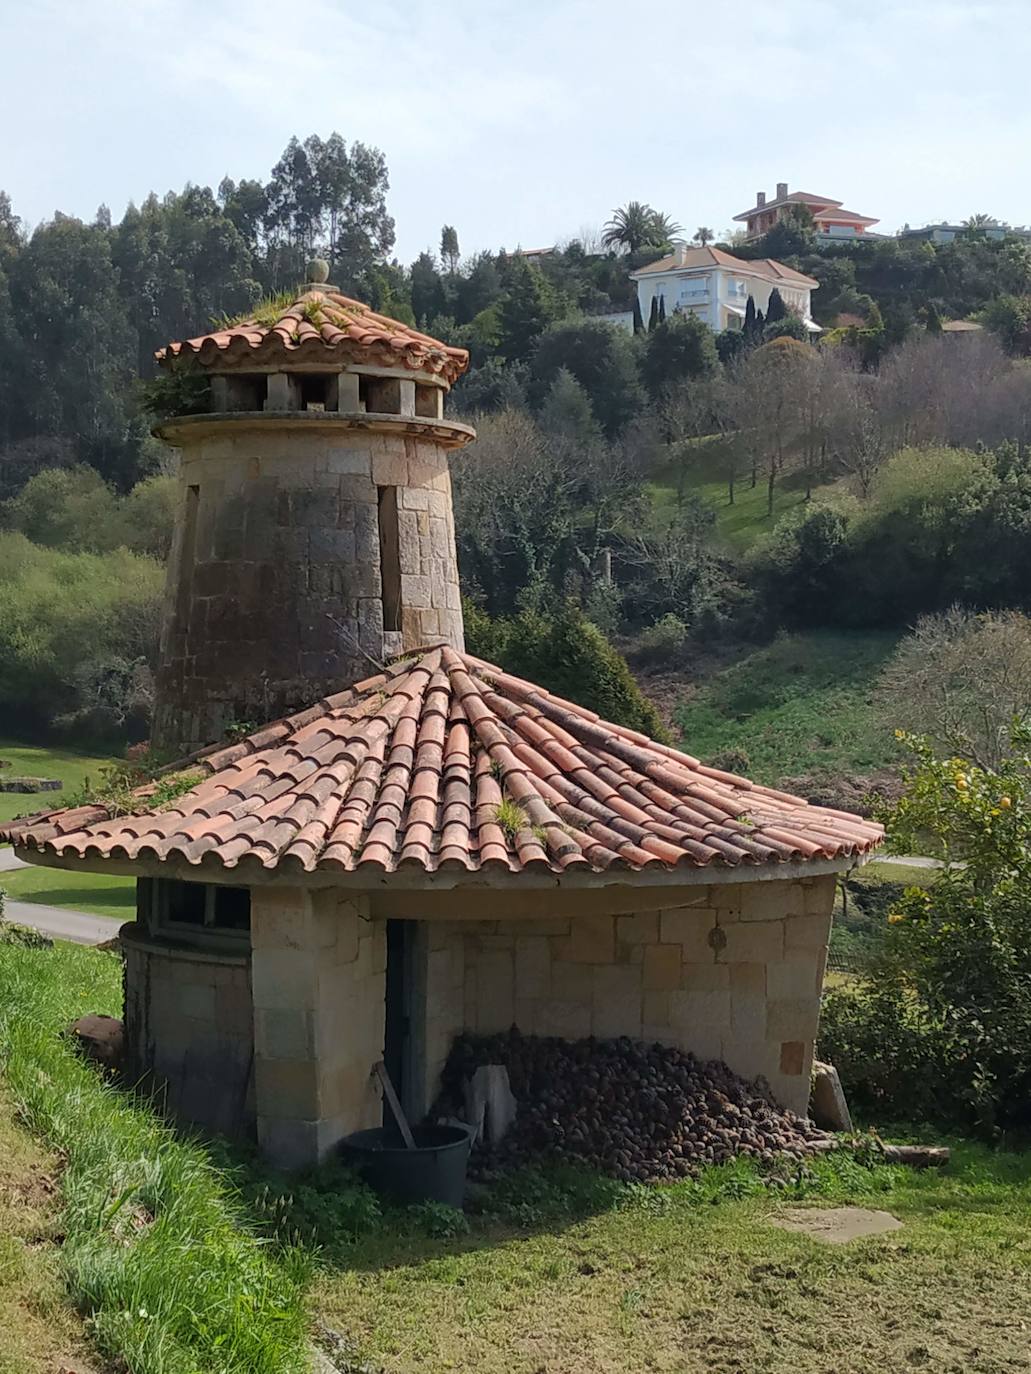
x: 389, y: 559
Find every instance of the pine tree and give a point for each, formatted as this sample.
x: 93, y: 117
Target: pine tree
x: 934, y: 320
x: 638, y: 317
x: 775, y: 309
x: 449, y: 250
x: 748, y: 328
x: 662, y: 309
x: 653, y: 314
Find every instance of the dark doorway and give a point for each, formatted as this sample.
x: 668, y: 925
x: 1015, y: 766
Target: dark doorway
x: 398, y: 1036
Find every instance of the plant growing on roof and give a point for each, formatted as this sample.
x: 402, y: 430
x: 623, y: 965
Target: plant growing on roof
x: 511, y: 817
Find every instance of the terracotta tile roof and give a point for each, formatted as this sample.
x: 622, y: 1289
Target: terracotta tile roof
x: 448, y: 763
x: 795, y: 198
x: 837, y: 213
x: 770, y: 267
x: 695, y: 258
x: 321, y: 324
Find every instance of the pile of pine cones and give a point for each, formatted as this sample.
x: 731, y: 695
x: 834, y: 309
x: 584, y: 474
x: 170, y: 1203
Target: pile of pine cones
x: 635, y: 1111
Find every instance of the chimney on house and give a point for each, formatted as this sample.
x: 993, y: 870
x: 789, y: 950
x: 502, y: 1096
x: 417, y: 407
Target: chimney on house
x: 782, y: 190
x: 680, y: 254
x: 760, y: 199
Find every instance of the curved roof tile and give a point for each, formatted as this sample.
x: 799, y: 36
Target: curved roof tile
x: 321, y: 324
x: 445, y: 762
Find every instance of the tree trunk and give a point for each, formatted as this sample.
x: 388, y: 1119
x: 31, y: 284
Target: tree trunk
x: 769, y: 488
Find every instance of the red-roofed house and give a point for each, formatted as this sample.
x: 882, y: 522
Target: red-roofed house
x: 830, y: 218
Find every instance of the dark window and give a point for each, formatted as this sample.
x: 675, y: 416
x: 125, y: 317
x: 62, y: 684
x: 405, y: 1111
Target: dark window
x: 185, y: 903
x: 389, y: 559
x: 232, y: 908
x: 363, y: 392
x: 314, y: 393
x: 208, y: 908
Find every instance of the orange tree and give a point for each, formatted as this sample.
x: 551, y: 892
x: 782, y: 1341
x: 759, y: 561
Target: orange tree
x: 941, y: 1027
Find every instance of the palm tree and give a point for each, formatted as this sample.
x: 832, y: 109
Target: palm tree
x: 980, y: 222
x: 630, y: 227
x: 636, y: 225
x: 663, y: 229
x: 703, y: 236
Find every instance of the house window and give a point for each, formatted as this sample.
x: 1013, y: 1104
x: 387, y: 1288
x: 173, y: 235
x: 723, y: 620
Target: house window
x: 389, y: 559
x: 193, y: 911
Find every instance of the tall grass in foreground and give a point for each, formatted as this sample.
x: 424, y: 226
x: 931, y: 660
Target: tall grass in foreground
x: 156, y: 1251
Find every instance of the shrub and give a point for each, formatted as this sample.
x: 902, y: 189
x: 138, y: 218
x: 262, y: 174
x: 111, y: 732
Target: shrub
x: 565, y: 653
x: 944, y: 1025
x: 666, y: 639
x: 68, y: 621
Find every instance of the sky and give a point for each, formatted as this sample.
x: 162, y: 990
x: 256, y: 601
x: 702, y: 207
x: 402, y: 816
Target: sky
x: 525, y: 124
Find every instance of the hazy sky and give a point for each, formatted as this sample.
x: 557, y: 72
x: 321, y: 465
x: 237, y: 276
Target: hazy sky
x: 523, y: 123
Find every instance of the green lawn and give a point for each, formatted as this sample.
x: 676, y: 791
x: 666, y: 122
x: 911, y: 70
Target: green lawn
x: 802, y: 705
x: 747, y: 520
x: 92, y: 892
x: 672, y: 1282
x: 70, y: 766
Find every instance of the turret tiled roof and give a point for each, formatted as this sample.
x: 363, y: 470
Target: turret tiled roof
x: 319, y: 325
x: 448, y: 763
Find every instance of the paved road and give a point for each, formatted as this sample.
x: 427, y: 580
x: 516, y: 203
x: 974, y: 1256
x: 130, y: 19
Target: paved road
x: 61, y: 924
x: 57, y: 921
x: 909, y: 860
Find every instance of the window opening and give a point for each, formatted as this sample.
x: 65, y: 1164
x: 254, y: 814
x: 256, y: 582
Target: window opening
x: 389, y: 559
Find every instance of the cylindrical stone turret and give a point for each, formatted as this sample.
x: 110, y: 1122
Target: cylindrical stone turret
x: 314, y: 536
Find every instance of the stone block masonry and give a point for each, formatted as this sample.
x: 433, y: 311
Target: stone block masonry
x: 736, y: 975
x: 275, y: 584
x: 318, y: 970
x: 188, y: 1020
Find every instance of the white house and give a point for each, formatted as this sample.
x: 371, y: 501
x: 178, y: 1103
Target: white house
x: 716, y: 286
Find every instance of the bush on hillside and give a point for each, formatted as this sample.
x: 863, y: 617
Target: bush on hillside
x: 563, y: 652
x: 74, y: 509
x: 941, y: 525
x: 942, y: 1028
x: 67, y: 622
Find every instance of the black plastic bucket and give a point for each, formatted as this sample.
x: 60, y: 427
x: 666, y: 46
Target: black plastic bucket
x: 434, y: 1170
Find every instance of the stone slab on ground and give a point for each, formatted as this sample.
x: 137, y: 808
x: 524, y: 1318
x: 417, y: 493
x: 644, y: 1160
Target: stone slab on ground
x: 828, y: 1106
x: 836, y: 1225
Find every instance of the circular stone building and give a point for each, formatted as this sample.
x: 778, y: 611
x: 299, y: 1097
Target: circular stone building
x: 410, y: 850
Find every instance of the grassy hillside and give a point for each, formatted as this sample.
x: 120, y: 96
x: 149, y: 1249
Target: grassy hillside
x: 802, y: 705
x: 746, y: 521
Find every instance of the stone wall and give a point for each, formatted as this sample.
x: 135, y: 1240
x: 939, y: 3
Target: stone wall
x: 274, y: 594
x: 318, y: 966
x: 736, y: 975
x: 189, y: 1030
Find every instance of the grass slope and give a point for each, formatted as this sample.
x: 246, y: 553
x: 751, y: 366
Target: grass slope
x: 669, y: 1282
x: 802, y: 705
x: 156, y: 1250
x: 39, y: 1329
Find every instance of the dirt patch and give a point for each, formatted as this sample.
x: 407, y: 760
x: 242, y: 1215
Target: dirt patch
x: 837, y: 1225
